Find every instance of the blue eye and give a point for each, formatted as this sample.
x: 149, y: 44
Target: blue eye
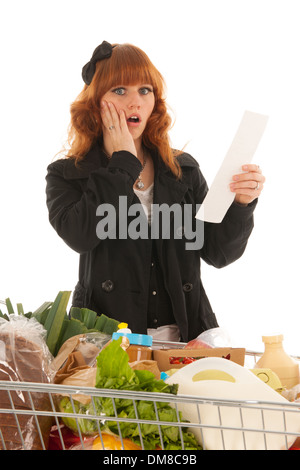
x: 145, y: 90
x: 119, y: 91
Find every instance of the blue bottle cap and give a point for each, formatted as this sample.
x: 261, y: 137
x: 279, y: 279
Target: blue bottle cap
x: 163, y: 375
x: 142, y: 340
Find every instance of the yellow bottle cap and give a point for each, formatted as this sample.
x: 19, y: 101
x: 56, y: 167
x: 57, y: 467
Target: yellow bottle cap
x: 122, y: 325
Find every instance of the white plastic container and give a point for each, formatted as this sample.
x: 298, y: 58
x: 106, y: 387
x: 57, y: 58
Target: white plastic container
x: 215, y: 378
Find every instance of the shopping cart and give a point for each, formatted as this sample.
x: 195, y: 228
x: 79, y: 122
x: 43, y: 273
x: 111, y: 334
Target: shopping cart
x: 29, y: 415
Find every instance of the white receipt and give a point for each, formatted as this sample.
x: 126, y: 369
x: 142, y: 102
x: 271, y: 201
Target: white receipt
x: 219, y: 197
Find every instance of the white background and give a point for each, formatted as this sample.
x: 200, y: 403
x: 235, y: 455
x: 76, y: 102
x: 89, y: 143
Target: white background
x: 219, y: 57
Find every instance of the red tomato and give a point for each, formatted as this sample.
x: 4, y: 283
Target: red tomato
x: 174, y: 360
x: 188, y: 360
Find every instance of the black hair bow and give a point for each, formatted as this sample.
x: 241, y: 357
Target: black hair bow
x: 101, y: 52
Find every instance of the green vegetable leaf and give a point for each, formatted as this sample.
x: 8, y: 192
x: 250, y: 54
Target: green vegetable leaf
x: 113, y: 370
x: 9, y: 306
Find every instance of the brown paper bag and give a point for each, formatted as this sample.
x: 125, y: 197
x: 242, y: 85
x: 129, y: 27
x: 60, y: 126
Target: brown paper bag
x: 82, y: 378
x: 74, y: 363
x: 76, y: 372
x: 146, y: 365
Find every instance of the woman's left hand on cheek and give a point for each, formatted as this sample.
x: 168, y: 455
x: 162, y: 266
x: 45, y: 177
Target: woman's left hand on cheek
x: 248, y: 185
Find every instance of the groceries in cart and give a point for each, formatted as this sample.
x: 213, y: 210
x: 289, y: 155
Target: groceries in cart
x: 80, y: 381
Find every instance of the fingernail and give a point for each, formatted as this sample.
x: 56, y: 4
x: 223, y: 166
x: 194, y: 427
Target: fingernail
x: 245, y: 167
x: 236, y: 177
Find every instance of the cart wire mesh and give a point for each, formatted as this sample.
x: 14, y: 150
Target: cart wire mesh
x: 234, y: 424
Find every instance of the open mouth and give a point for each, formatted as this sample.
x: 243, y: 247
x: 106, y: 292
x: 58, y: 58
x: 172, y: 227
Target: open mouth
x: 134, y: 119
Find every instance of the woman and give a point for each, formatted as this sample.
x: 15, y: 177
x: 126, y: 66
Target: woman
x: 120, y: 153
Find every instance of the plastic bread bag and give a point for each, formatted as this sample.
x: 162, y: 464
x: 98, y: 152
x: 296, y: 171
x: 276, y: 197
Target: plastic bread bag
x: 24, y: 357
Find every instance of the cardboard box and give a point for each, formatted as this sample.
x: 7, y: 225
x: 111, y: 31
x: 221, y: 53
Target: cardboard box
x: 176, y: 358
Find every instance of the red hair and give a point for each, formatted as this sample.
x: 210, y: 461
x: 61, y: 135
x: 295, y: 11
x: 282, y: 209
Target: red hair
x: 128, y: 65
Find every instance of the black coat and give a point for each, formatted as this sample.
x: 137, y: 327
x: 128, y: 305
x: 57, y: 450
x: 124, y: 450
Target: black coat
x: 114, y: 273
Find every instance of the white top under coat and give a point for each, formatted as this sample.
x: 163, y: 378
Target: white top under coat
x: 146, y: 198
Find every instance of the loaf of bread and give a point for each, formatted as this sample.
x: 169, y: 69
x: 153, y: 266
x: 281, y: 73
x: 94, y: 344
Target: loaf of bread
x: 23, y: 360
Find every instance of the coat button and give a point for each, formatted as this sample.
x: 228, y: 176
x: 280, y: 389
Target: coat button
x: 107, y: 285
x: 187, y: 287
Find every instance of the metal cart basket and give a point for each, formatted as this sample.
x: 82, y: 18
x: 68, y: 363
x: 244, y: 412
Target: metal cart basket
x: 28, y: 411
